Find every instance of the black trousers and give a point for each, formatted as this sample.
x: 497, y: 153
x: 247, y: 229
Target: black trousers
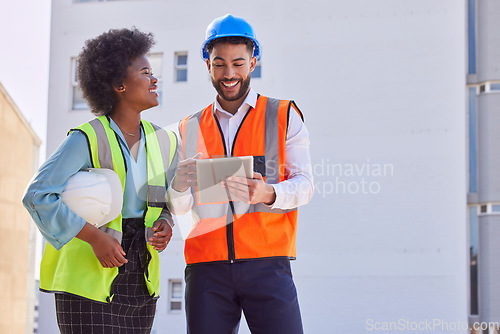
x: 131, y: 310
x: 264, y: 290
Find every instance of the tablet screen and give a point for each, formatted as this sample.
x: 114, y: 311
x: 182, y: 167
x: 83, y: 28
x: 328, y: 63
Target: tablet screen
x: 211, y: 172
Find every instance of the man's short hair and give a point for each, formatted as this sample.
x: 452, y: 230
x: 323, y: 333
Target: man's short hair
x: 236, y: 40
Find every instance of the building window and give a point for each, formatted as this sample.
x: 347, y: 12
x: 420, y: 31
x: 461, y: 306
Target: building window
x: 471, y: 35
x: 257, y: 72
x: 495, y: 86
x: 472, y: 139
x: 489, y: 87
x: 489, y: 209
x: 180, y: 70
x: 473, y: 251
x: 175, y: 295
x: 156, y: 61
x: 78, y: 102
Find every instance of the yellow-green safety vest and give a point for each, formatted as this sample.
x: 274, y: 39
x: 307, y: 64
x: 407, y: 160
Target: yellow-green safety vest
x: 74, y: 268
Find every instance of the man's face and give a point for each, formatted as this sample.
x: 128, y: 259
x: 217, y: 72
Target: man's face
x: 230, y: 67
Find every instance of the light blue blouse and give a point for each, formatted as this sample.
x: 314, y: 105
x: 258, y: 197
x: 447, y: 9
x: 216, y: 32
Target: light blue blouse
x: 57, y: 223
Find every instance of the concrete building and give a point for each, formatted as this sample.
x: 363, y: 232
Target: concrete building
x: 383, y: 244
x: 483, y: 81
x: 19, y: 146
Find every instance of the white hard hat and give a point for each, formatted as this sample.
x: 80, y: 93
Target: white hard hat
x: 95, y: 194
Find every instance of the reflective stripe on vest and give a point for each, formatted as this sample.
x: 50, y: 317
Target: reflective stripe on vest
x: 74, y: 268
x: 106, y: 153
x: 160, y: 147
x: 270, y: 232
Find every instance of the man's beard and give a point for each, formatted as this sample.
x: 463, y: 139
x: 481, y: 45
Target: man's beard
x: 244, y: 85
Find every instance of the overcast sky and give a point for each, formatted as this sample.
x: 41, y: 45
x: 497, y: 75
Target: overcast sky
x: 24, y: 60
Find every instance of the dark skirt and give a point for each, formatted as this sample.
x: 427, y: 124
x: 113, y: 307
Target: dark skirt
x: 131, y: 310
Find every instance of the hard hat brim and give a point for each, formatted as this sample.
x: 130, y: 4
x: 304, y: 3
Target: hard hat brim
x: 256, y: 50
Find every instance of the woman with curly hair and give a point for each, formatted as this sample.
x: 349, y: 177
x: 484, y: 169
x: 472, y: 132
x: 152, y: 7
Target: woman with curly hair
x: 106, y: 279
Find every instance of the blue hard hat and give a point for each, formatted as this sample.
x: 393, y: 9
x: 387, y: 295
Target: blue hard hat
x: 228, y: 26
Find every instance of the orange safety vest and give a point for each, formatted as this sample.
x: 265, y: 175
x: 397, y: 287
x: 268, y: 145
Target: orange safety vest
x: 232, y: 231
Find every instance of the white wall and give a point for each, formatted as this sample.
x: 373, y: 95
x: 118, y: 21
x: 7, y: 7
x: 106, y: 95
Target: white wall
x: 381, y: 83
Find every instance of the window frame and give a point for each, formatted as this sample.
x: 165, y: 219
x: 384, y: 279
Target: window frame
x: 173, y: 299
x: 489, y: 87
x: 178, y: 67
x: 472, y: 92
x: 491, y: 208
x: 75, y: 86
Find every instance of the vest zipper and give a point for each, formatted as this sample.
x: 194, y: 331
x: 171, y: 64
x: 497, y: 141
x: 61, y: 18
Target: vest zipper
x: 229, y: 227
x: 230, y: 235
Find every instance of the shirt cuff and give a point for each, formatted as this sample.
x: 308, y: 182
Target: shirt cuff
x: 179, y: 203
x: 178, y: 194
x: 278, y: 202
x: 168, y: 218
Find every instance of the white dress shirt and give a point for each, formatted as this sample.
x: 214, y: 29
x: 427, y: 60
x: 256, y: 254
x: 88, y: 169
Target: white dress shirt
x: 297, y: 190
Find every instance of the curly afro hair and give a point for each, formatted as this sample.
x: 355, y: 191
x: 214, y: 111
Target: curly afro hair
x: 103, y: 62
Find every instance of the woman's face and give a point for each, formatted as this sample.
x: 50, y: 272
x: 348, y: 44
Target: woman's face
x: 139, y: 87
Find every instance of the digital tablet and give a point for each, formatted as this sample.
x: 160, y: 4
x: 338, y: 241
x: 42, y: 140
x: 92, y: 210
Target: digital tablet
x: 211, y: 172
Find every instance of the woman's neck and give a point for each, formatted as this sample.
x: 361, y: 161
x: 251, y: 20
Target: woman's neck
x: 128, y: 121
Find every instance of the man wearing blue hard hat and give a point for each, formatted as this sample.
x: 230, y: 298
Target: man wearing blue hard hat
x: 238, y: 252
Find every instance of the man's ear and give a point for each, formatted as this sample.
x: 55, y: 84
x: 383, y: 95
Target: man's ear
x: 253, y: 63
x: 209, y: 65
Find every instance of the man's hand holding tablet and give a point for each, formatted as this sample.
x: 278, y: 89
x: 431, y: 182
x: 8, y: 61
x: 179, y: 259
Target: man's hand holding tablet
x: 211, y: 173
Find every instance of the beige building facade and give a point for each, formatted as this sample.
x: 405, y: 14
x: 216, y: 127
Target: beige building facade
x: 19, y: 146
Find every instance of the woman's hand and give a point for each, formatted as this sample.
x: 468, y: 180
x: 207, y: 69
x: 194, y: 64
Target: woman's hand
x: 162, y: 236
x: 106, y: 248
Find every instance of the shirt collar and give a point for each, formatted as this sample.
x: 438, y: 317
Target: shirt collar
x: 249, y: 102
